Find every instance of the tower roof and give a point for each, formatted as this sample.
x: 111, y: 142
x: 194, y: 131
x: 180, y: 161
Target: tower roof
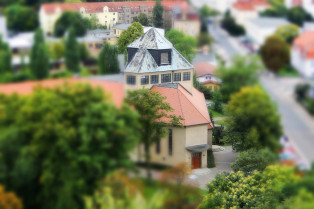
x: 152, y: 39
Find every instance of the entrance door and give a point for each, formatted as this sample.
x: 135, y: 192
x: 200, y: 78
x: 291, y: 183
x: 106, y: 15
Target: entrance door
x: 196, y: 160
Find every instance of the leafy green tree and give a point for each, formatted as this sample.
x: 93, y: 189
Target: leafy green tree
x: 253, y: 159
x: 230, y: 25
x: 243, y: 72
x: 70, y: 19
x: 258, y: 190
x: 304, y: 199
x: 21, y: 18
x: 57, y: 50
x: 39, y: 58
x: 275, y: 53
x: 108, y: 60
x: 249, y: 127
x: 153, y: 114
x: 5, y: 57
x: 84, y: 53
x: 205, y: 39
x: 185, y: 44
x: 206, y: 12
x: 217, y: 99
x: 62, y: 144
x: 158, y: 15
x: 128, y: 36
x: 72, y: 53
x: 298, y: 15
x: 143, y: 19
x: 288, y: 32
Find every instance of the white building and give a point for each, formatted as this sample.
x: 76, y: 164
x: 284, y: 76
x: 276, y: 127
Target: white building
x: 308, y: 5
x: 243, y: 10
x: 258, y: 29
x: 220, y: 5
x: 302, y: 54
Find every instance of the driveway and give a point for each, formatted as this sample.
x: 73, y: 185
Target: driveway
x: 298, y: 125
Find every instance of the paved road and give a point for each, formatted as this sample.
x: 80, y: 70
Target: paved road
x: 297, y: 123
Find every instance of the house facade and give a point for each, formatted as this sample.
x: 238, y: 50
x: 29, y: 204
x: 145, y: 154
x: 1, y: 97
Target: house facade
x: 302, y: 54
x: 112, y: 13
x: 154, y: 63
x: 205, y: 75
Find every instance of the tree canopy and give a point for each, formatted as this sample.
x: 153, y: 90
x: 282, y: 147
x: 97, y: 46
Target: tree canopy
x: 158, y: 15
x: 129, y: 35
x: 108, y: 60
x: 62, y: 141
x: 70, y: 19
x: 249, y: 127
x: 39, y: 58
x: 230, y: 25
x: 5, y: 57
x: 243, y: 72
x: 154, y: 114
x: 21, y: 18
x: 185, y: 44
x: 298, y: 15
x: 143, y: 19
x: 288, y: 32
x: 72, y: 52
x: 275, y: 53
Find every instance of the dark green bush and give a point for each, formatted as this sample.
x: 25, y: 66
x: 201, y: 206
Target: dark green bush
x: 210, y: 159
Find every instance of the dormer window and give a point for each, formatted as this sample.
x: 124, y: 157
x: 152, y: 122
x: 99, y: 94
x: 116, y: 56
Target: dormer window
x: 164, y: 59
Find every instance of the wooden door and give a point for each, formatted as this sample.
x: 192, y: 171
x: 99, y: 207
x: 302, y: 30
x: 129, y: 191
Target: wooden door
x: 196, y: 160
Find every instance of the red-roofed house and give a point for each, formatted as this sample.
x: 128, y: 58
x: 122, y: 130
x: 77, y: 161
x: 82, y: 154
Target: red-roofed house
x: 205, y: 75
x: 302, y: 54
x: 242, y: 10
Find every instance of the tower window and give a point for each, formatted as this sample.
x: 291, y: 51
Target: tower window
x: 177, y: 77
x: 144, y: 80
x: 186, y: 76
x: 130, y: 80
x: 164, y: 59
x: 165, y: 78
x: 154, y: 79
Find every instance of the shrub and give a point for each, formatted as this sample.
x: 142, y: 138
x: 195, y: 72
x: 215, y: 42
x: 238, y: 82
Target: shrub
x: 301, y: 90
x: 218, y: 134
x: 210, y: 159
x: 61, y: 74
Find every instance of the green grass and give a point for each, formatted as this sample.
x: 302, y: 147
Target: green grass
x: 220, y: 122
x: 288, y: 73
x: 215, y: 114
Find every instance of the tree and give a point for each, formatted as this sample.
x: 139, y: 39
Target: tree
x: 288, y: 32
x: 249, y: 127
x: 230, y: 25
x: 21, y: 18
x: 252, y: 159
x: 158, y: 15
x: 275, y: 53
x: 243, y: 72
x: 154, y: 113
x: 84, y: 53
x: 39, y: 58
x: 217, y: 99
x: 183, y: 43
x: 5, y: 57
x: 258, y: 190
x: 72, y: 53
x: 128, y: 36
x: 304, y: 199
x: 142, y: 18
x: 70, y: 19
x: 57, y: 50
x: 206, y: 12
x: 205, y: 39
x: 63, y: 141
x: 108, y: 60
x: 298, y: 15
x: 9, y: 200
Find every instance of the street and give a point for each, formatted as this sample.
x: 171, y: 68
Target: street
x: 298, y: 125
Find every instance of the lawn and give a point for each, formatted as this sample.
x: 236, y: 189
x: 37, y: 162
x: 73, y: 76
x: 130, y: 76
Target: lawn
x: 220, y: 122
x: 215, y: 114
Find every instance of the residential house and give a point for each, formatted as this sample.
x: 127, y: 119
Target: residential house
x: 243, y: 10
x: 205, y: 75
x: 302, y: 54
x: 109, y: 13
x: 154, y: 63
x: 307, y: 5
x: 258, y: 29
x: 189, y: 24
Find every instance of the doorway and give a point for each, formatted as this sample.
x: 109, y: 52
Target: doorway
x: 196, y: 160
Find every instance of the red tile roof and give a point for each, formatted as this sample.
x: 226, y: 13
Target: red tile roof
x: 204, y: 68
x: 305, y: 43
x: 96, y: 7
x: 249, y: 5
x: 191, y: 107
x: 114, y: 89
